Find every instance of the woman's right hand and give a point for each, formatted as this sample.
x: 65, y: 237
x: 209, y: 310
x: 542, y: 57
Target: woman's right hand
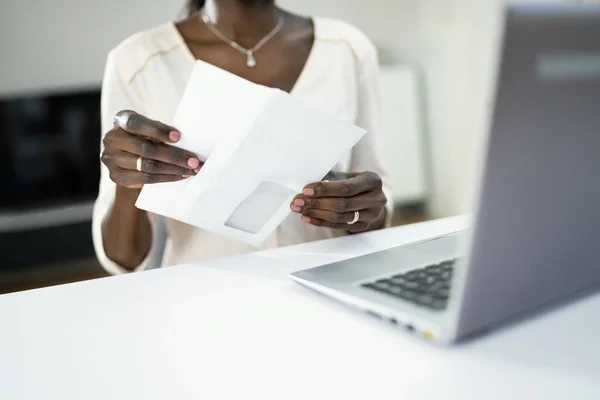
x: 134, y: 136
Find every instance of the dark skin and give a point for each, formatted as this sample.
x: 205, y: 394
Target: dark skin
x: 126, y: 231
x: 333, y: 204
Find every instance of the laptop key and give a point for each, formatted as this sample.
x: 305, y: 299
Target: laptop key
x: 396, y: 290
x: 412, y: 275
x: 397, y: 280
x: 411, y: 285
x: 432, y: 269
x: 408, y: 295
x: 425, y: 299
x: 437, y: 286
x: 382, y: 285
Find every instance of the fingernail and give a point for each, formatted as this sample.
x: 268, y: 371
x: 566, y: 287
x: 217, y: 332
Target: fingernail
x: 197, y: 170
x: 299, y: 202
x: 186, y: 176
x: 296, y: 209
x: 120, y: 120
x: 193, y: 163
x: 174, y: 136
x: 308, y: 192
x: 305, y: 218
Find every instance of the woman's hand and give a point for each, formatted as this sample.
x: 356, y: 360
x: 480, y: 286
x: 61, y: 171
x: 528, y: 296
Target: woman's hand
x: 136, y: 137
x: 333, y: 204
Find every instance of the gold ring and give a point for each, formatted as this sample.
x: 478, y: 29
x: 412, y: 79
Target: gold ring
x: 356, y: 217
x: 138, y: 164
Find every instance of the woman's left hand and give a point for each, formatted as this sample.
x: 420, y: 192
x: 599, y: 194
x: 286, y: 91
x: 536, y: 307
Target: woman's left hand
x: 334, y: 204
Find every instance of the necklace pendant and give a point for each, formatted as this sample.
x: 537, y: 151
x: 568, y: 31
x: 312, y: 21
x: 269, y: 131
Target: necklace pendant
x: 251, y: 61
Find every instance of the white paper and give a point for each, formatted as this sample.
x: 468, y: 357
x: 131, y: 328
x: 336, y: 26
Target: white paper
x: 261, y: 147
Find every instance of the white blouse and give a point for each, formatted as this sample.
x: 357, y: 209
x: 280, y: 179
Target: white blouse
x: 148, y: 73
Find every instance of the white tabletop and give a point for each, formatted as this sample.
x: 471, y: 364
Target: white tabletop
x: 238, y: 328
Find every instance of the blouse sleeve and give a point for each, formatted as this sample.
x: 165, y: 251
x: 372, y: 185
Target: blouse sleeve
x: 116, y: 96
x: 367, y: 155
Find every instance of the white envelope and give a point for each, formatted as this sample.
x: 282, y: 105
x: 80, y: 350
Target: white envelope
x: 261, y: 147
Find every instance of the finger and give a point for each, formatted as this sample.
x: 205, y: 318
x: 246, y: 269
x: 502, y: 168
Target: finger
x: 124, y: 160
x: 337, y: 176
x: 367, y: 215
x: 340, y: 204
x: 127, y: 177
x: 147, y: 148
x: 361, y: 183
x: 359, y: 226
x: 331, y: 216
x: 135, y: 123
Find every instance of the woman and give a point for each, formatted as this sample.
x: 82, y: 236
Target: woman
x: 325, y: 62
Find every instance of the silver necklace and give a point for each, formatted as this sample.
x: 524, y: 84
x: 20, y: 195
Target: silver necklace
x: 250, y: 60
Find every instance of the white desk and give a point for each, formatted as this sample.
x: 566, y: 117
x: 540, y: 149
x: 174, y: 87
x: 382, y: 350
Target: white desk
x: 238, y: 328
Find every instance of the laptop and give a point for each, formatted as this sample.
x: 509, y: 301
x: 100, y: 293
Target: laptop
x: 534, y: 238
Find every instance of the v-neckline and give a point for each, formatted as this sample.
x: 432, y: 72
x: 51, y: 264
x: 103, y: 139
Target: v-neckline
x: 303, y: 73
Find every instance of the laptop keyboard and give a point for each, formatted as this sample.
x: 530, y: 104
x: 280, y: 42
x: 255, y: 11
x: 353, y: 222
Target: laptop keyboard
x: 428, y: 287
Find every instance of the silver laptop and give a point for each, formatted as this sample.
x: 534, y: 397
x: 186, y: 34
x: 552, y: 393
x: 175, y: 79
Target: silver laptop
x: 535, y: 234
